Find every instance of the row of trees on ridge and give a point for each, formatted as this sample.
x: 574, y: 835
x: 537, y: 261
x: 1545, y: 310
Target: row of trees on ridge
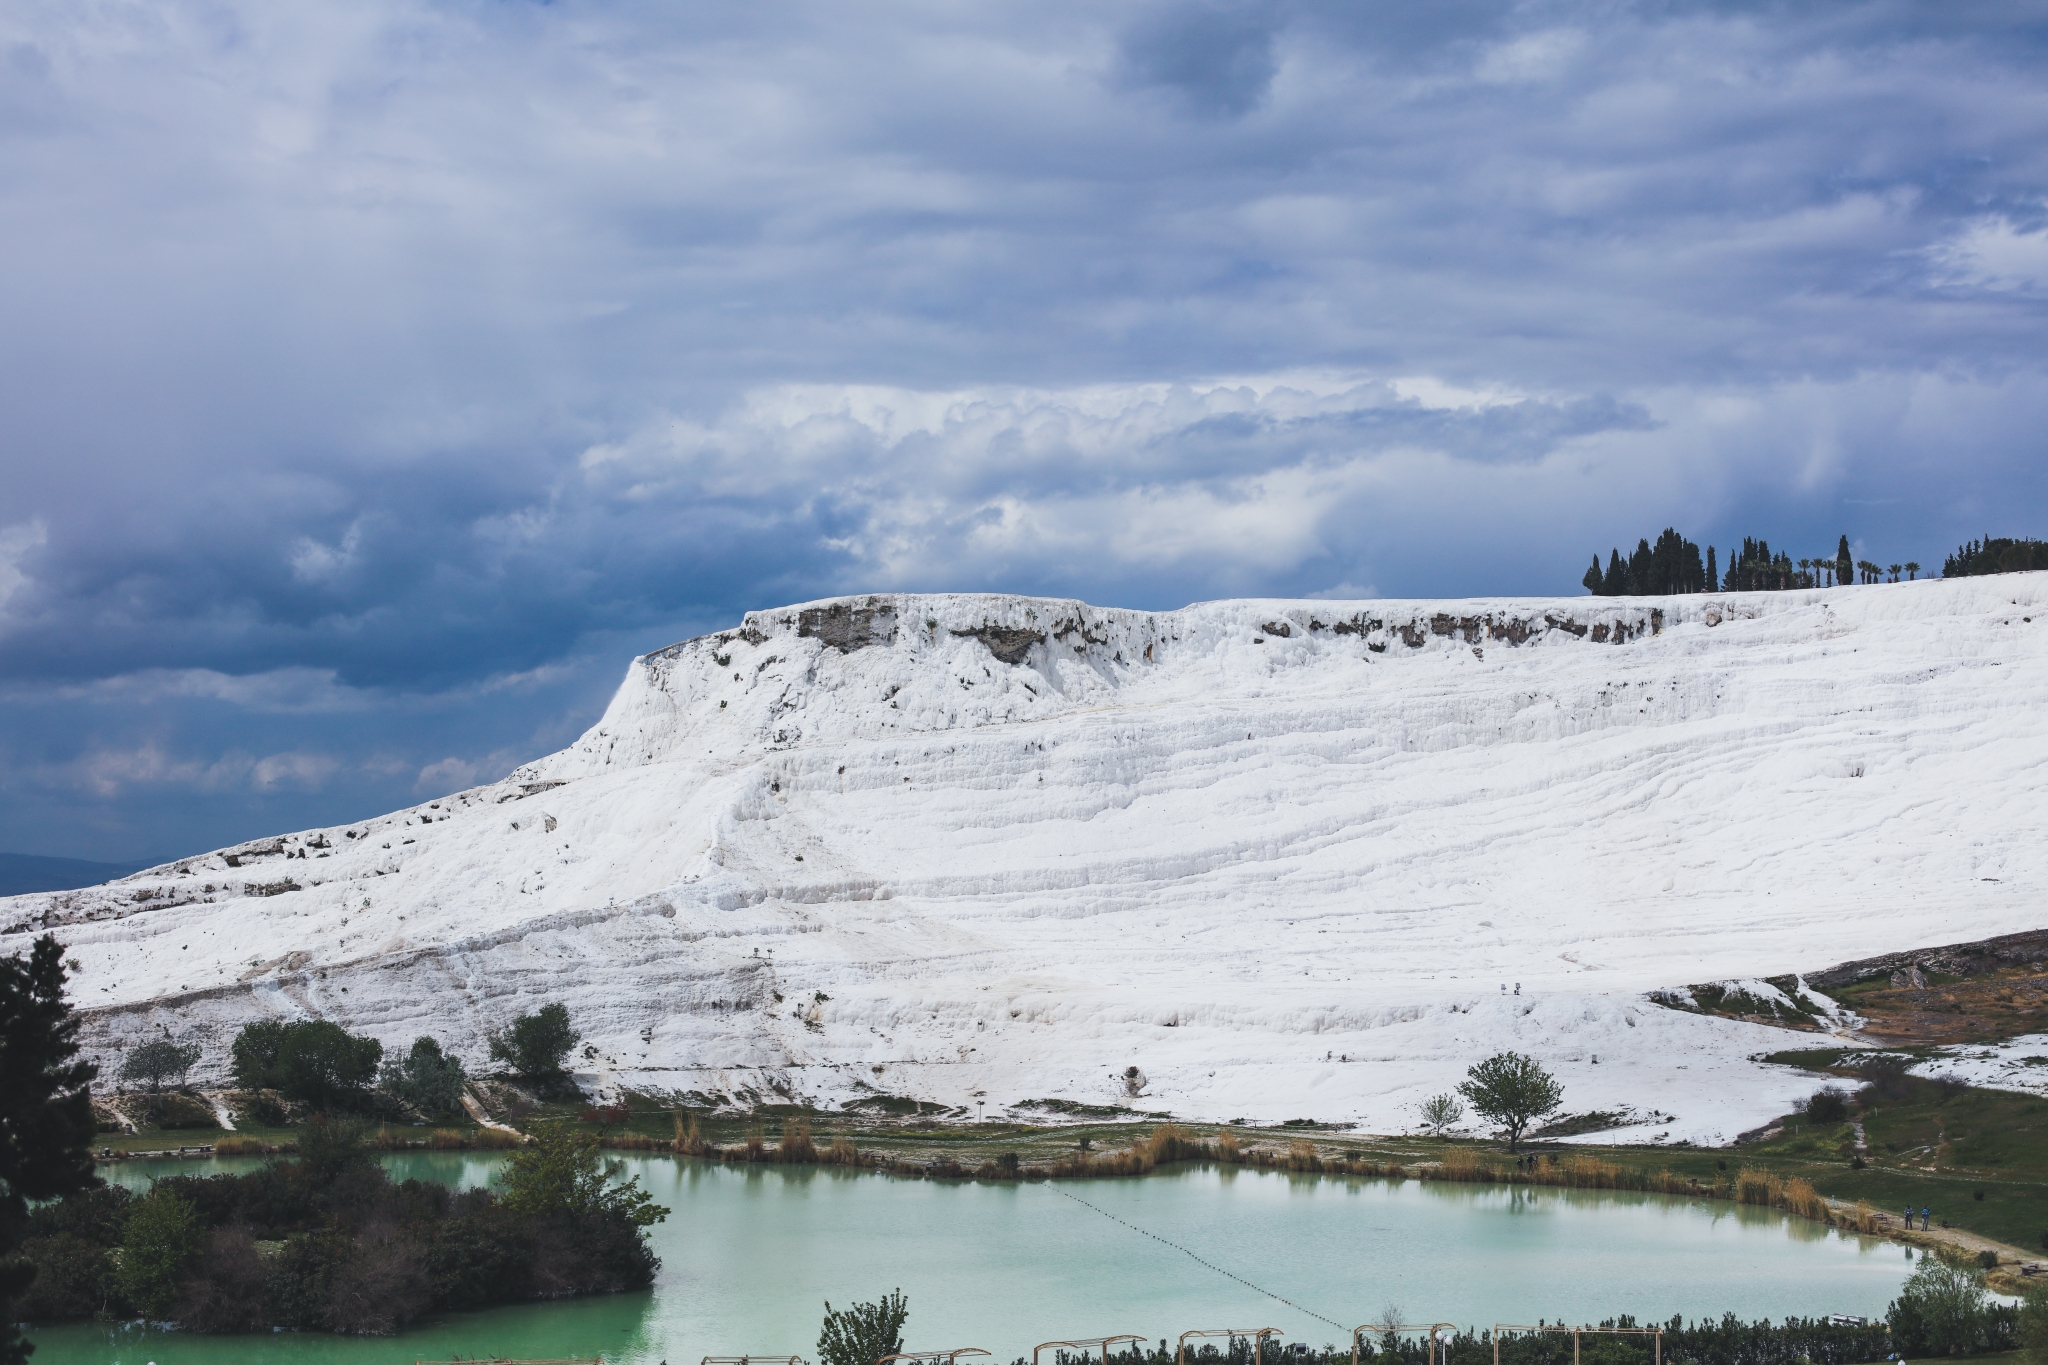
x: 1674, y: 565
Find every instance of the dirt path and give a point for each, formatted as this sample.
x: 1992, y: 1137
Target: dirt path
x: 2005, y: 1278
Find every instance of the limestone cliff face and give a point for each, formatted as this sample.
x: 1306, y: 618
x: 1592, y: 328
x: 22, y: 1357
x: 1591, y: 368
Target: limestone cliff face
x: 1281, y: 856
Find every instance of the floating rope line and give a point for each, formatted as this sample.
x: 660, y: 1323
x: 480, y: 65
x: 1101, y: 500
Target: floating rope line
x: 1227, y: 1274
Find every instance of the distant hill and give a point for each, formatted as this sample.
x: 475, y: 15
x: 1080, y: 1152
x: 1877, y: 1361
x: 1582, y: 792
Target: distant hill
x: 21, y: 873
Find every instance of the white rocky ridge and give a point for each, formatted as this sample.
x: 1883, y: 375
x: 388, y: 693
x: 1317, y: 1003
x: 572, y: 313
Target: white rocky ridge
x: 1280, y: 857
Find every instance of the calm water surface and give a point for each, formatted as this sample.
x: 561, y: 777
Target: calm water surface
x: 749, y: 1256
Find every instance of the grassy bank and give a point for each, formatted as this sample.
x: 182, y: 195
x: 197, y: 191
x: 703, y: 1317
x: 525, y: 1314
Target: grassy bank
x: 1929, y: 1146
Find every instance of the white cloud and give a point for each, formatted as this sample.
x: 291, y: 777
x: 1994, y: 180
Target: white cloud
x: 15, y: 543
x: 448, y: 775
x: 1994, y: 253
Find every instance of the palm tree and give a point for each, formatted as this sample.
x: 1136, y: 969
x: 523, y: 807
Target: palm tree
x: 1895, y: 571
x: 1804, y: 565
x: 1912, y: 571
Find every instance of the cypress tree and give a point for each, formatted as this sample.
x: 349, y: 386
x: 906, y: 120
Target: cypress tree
x: 1592, y: 578
x: 1617, y: 575
x: 1713, y: 575
x: 1845, y: 567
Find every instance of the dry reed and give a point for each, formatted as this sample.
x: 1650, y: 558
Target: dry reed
x: 795, y: 1145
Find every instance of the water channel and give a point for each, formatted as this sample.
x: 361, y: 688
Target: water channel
x: 750, y: 1254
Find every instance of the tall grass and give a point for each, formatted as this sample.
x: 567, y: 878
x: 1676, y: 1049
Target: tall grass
x: 795, y: 1145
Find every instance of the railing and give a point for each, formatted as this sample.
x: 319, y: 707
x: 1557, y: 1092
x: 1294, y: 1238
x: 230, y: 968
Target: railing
x: 933, y: 1357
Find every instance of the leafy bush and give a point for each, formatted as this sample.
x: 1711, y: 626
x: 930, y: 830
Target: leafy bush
x: 862, y: 1333
x: 1829, y: 1104
x: 262, y: 1108
x: 74, y: 1279
x: 1944, y: 1311
x: 2031, y: 1327
x: 162, y: 1238
x: 536, y: 1044
x: 225, y: 1292
x: 562, y: 1174
x: 428, y: 1079
x: 177, y: 1110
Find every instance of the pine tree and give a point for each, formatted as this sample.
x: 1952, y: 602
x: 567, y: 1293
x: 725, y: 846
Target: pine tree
x: 1845, y: 567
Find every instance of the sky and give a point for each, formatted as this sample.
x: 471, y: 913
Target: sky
x: 378, y: 377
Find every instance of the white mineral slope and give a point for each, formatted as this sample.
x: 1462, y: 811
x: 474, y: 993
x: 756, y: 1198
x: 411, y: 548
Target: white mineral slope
x: 1282, y: 857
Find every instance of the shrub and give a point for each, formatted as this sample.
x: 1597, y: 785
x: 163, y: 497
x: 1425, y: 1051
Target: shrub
x: 562, y: 1174
x: 1829, y: 1104
x: 175, y: 1110
x: 428, y: 1079
x: 226, y: 1290
x: 1940, y: 1312
x: 862, y: 1333
x: 2031, y: 1327
x: 263, y: 1108
x: 380, y: 1285
x: 162, y: 1237
x: 536, y: 1044
x: 480, y: 1259
x: 74, y: 1279
x: 298, y: 1289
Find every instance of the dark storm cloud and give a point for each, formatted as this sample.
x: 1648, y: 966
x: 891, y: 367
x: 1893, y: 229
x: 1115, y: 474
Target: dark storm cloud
x: 378, y: 376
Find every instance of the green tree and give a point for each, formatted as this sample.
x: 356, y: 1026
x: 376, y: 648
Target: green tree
x: 2032, y: 1326
x: 1440, y: 1112
x: 1592, y: 581
x: 157, y: 1061
x: 862, y: 1333
x: 562, y: 1173
x: 536, y: 1044
x: 427, y: 1079
x: 1912, y: 570
x: 1512, y: 1091
x: 1940, y: 1311
x: 1845, y: 567
x: 46, y: 1125
x: 162, y: 1237
x: 311, y: 1059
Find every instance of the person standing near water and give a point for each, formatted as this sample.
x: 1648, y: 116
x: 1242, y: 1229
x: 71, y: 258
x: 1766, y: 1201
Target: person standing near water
x: 1925, y: 1224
